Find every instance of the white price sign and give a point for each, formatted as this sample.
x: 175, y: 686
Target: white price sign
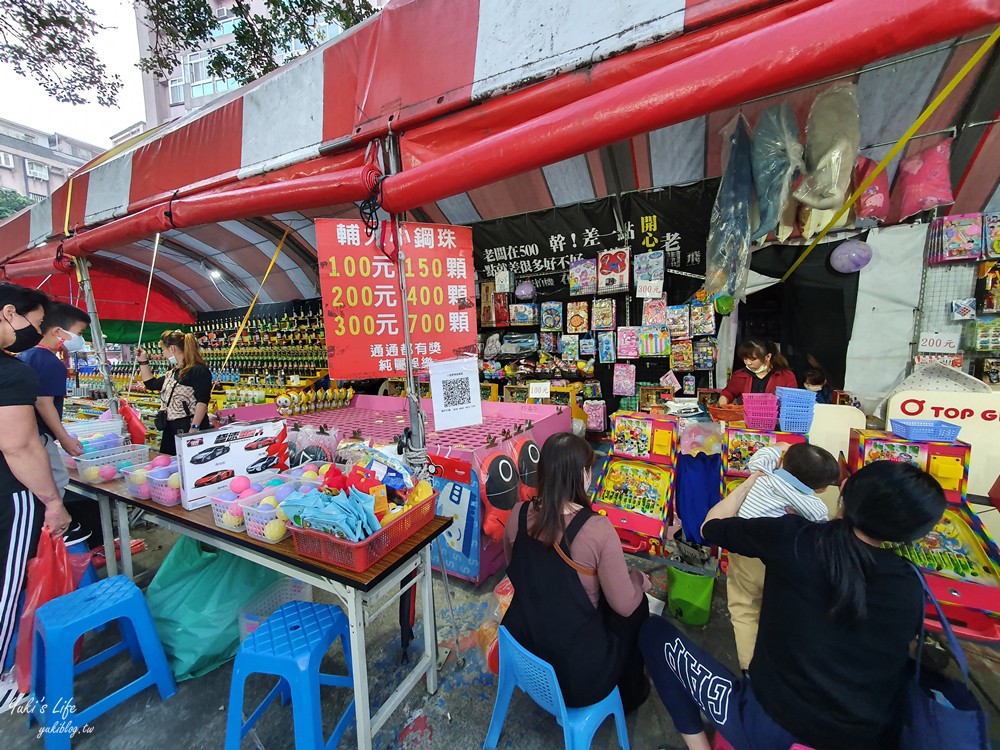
x: 932, y: 341
x: 649, y: 289
x: 539, y: 389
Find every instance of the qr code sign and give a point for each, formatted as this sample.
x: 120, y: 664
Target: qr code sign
x: 456, y: 392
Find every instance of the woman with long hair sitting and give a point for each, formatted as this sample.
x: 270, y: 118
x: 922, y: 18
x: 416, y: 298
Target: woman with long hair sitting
x: 575, y: 605
x: 838, y: 616
x: 185, y: 390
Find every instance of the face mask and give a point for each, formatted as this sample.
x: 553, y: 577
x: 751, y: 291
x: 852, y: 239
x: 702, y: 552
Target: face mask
x: 172, y: 360
x: 24, y: 338
x: 74, y: 343
x: 813, y: 388
x: 758, y: 369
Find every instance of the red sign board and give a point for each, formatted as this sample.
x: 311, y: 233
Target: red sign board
x: 362, y: 302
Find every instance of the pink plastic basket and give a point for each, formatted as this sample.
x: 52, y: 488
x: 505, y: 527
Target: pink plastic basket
x: 760, y: 410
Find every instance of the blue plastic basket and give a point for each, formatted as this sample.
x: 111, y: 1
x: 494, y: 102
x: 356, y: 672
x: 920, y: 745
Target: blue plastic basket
x: 795, y: 395
x: 926, y: 430
x: 799, y: 422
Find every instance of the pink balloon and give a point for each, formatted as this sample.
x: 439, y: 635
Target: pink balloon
x: 239, y: 484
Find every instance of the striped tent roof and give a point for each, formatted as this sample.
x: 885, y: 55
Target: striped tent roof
x: 426, y: 68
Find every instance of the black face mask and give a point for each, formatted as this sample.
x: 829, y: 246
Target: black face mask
x: 25, y: 338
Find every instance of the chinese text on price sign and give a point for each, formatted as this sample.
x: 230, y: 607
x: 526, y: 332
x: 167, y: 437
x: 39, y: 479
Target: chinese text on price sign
x: 362, y: 303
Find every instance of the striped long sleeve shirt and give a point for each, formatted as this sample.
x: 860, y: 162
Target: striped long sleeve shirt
x: 777, y: 490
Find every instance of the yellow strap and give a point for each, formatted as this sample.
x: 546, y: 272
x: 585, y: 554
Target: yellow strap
x: 900, y: 144
x: 239, y: 331
x: 69, y: 205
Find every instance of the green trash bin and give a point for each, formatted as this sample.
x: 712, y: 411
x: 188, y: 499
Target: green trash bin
x: 689, y: 596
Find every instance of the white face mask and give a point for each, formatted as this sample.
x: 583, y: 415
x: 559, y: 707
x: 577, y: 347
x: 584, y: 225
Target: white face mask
x: 813, y: 388
x: 74, y: 343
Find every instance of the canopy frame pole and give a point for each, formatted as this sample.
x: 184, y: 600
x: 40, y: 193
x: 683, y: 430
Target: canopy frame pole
x: 96, y: 334
x: 414, y: 442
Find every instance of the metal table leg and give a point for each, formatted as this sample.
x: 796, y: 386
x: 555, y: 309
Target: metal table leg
x: 126, y: 541
x: 427, y: 606
x: 108, y: 530
x: 359, y: 664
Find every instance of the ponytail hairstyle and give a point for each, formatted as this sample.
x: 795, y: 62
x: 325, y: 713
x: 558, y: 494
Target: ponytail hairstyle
x: 887, y: 501
x: 563, y: 460
x: 760, y: 348
x: 188, y: 344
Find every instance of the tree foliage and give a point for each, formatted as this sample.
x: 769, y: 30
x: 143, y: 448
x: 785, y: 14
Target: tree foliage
x: 11, y: 202
x: 52, y: 40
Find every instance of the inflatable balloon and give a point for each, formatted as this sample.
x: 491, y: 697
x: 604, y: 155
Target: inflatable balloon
x: 525, y: 290
x: 851, y: 256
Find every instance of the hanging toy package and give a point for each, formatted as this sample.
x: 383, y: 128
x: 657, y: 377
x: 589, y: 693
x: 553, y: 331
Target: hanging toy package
x: 833, y: 136
x: 776, y: 157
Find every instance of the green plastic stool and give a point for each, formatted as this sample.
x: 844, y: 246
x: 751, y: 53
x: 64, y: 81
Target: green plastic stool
x: 689, y: 596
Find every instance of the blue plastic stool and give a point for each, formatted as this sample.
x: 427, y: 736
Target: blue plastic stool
x: 290, y: 644
x: 521, y: 668
x: 60, y: 623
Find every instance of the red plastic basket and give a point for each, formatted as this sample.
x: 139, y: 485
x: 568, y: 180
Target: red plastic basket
x: 359, y: 556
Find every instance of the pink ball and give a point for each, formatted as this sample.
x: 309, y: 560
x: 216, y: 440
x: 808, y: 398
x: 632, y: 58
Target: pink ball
x: 142, y: 491
x: 239, y: 484
x: 247, y: 493
x: 310, y: 467
x: 108, y: 472
x: 235, y: 510
x: 160, y: 461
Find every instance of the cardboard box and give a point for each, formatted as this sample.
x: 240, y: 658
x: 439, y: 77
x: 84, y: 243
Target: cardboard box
x: 649, y: 437
x: 742, y: 442
x: 209, y: 460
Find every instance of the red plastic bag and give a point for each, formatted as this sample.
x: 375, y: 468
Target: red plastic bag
x: 136, y: 428
x: 487, y: 633
x: 51, y: 572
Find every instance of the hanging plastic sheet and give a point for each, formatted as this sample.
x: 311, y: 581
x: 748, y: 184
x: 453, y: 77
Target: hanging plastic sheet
x: 776, y: 156
x: 833, y: 136
x: 728, y: 259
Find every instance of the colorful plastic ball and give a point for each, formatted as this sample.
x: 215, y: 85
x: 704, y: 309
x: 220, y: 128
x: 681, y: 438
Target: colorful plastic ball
x: 310, y: 475
x: 123, y: 465
x: 235, y: 510
x: 108, y: 473
x: 284, y: 491
x: 227, y: 496
x: 325, y: 468
x: 270, y: 501
x: 97, y: 436
x: 297, y: 472
x: 239, y: 484
x: 275, y: 483
x: 280, y: 514
x: 247, y: 493
x: 142, y: 491
x: 851, y: 256
x: 231, y: 521
x: 174, y: 481
x: 91, y: 474
x: 257, y: 487
x: 138, y: 476
x: 159, y: 461
x: 275, y: 530
x: 310, y: 467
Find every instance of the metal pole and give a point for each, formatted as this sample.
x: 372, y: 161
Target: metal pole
x: 414, y: 449
x: 96, y: 334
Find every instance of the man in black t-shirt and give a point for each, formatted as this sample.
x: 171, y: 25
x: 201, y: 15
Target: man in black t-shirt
x: 28, y: 493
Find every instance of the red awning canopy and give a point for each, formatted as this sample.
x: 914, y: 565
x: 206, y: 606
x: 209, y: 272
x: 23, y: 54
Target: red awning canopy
x: 585, y: 110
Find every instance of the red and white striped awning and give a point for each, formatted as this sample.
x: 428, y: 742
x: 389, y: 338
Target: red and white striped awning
x: 223, y: 183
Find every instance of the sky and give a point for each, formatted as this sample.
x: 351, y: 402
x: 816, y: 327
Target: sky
x: 26, y: 102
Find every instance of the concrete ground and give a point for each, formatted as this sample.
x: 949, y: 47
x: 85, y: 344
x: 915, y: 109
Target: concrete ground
x: 456, y: 717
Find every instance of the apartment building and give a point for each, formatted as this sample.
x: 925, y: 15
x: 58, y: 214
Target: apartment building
x: 35, y: 163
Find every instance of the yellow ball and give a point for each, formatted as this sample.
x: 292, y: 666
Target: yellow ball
x: 324, y: 468
x: 138, y: 476
x: 91, y: 474
x: 280, y: 514
x: 231, y: 521
x: 269, y: 501
x: 309, y: 475
x: 274, y: 530
x: 174, y: 481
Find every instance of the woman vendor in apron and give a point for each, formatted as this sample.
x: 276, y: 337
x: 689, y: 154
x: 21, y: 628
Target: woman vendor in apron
x: 576, y: 604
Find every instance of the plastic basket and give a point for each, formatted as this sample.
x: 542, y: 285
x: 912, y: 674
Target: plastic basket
x: 726, y: 413
x: 257, y: 518
x: 796, y: 396
x: 89, y: 467
x: 90, y: 426
x: 795, y: 420
x: 926, y: 430
x: 223, y: 508
x: 268, y: 601
x: 156, y: 486
x: 760, y: 410
x: 359, y: 556
x: 109, y: 441
x: 70, y: 461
